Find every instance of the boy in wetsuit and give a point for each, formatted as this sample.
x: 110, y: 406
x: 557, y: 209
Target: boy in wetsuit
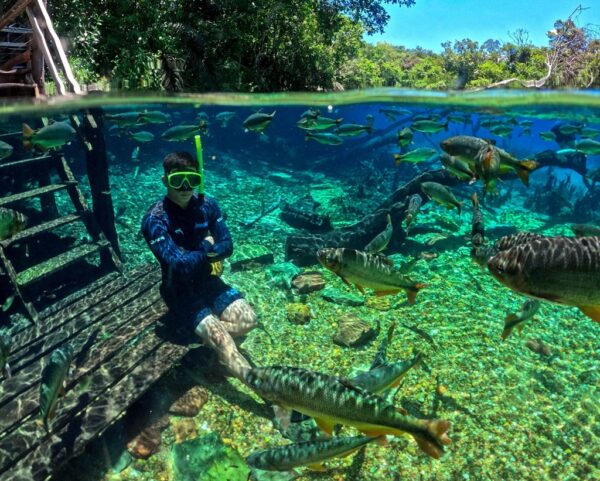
x: 187, y: 234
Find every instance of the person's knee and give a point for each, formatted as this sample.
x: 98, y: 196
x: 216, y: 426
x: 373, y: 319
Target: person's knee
x: 241, y: 315
x: 206, y: 326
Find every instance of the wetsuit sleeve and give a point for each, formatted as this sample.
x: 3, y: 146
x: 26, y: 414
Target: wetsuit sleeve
x: 223, y: 245
x: 168, y: 253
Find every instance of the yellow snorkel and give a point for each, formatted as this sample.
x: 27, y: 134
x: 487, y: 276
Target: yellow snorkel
x: 198, y: 141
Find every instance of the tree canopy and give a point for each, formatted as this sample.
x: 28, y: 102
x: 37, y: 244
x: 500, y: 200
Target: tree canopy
x: 277, y: 45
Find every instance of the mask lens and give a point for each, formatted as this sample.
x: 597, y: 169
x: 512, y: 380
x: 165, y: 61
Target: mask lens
x: 181, y: 180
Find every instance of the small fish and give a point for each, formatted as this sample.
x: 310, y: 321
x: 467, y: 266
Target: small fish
x: 53, y: 382
x: 5, y: 345
x: 441, y: 195
x: 519, y: 319
x: 569, y: 129
x: 502, y: 130
x: 563, y: 270
x: 5, y: 150
x: 125, y: 119
x: 154, y: 117
x: 326, y: 138
x: 332, y: 400
x: 588, y: 146
x: 391, y: 114
x: 135, y: 154
x: 386, y: 376
x: 420, y: 332
x: 381, y: 240
x: 548, y: 136
x: 585, y: 230
x: 457, y: 167
x: 224, y: 118
x: 414, y: 205
x: 258, y: 121
x: 367, y: 270
x: 11, y: 222
x: 415, y: 156
x: 352, y: 130
x: 589, y: 132
x: 51, y: 136
x: 318, y: 123
x: 307, y: 453
x: 311, y: 113
x: 539, y: 347
x: 180, y: 133
x: 141, y: 136
x: 405, y: 137
x: 487, y: 165
x: 381, y: 355
x: 477, y: 225
x: 429, y: 126
x: 8, y: 302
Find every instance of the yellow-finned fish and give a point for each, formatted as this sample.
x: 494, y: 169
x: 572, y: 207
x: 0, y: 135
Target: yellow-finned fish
x: 308, y: 453
x: 332, y: 400
x: 53, y: 382
x: 564, y: 270
x: 381, y: 240
x: 518, y: 320
x: 367, y: 270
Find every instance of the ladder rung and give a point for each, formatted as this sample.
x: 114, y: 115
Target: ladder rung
x: 59, y: 262
x: 36, y: 192
x: 38, y: 229
x: 24, y: 162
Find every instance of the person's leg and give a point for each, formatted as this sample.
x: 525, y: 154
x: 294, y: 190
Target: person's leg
x: 215, y: 335
x: 238, y: 318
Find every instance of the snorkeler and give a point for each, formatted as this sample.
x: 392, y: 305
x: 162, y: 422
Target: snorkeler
x: 187, y: 234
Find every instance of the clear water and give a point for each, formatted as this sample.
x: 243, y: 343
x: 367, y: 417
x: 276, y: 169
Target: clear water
x: 515, y: 414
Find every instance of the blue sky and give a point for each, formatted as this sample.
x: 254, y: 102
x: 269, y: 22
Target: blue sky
x: 431, y: 22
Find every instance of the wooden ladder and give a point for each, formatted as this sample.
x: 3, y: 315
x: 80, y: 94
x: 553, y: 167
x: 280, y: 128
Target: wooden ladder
x: 39, y: 272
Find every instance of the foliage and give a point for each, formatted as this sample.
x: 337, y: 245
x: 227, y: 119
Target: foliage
x: 279, y: 45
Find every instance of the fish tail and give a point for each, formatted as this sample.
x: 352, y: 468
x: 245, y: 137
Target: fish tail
x: 525, y: 167
x: 435, y: 438
x: 475, y: 200
x: 27, y: 134
x: 508, y: 325
x: 412, y: 293
x: 398, y: 159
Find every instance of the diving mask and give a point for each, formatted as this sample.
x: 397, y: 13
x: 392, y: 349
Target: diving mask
x: 177, y: 180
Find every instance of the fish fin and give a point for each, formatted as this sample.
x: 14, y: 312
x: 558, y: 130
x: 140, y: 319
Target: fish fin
x: 475, y: 200
x: 283, y: 416
x: 525, y: 167
x: 360, y: 288
x: 592, y: 312
x: 412, y: 294
x: 506, y: 332
x: 397, y: 159
x: 511, y: 318
x: 386, y: 260
x: 27, y: 131
x: 387, y: 292
x: 436, y: 439
x: 344, y: 280
x: 402, y: 411
x: 317, y: 467
x: 326, y: 426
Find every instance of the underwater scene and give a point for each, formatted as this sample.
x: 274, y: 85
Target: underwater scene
x: 421, y: 276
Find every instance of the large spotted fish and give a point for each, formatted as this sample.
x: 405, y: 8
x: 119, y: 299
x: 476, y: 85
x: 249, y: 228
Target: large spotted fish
x: 564, y: 270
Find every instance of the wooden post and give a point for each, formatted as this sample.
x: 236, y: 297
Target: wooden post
x: 97, y: 170
x: 38, y: 34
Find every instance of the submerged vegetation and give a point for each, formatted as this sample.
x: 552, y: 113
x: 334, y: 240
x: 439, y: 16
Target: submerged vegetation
x: 273, y: 45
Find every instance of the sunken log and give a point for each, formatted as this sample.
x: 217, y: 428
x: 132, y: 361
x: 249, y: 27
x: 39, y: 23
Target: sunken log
x: 301, y: 250
x: 573, y: 160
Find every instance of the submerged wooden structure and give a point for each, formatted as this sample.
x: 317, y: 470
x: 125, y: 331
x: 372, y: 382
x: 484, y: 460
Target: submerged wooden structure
x: 66, y: 278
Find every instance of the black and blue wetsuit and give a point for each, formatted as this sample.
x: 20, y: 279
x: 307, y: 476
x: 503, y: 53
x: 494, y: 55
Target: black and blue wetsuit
x: 176, y: 238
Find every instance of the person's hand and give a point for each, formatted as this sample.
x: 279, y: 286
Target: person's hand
x: 216, y: 268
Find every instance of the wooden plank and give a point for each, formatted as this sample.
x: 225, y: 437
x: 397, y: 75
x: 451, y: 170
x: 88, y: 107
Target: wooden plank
x: 12, y: 275
x: 92, y: 305
x: 126, y: 323
x: 12, y: 13
x: 18, y: 90
x: 115, y: 386
x: 14, y: 45
x: 23, y: 162
x: 42, y: 270
x: 73, y: 330
x: 38, y: 35
x: 18, y: 30
x: 40, y: 8
x: 12, y: 134
x: 39, y: 229
x: 47, y: 189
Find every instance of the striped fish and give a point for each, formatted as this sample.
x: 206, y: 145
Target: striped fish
x: 564, y: 270
x: 308, y: 453
x: 381, y: 240
x: 53, y: 381
x: 519, y: 319
x: 331, y: 400
x: 386, y: 376
x: 368, y: 270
